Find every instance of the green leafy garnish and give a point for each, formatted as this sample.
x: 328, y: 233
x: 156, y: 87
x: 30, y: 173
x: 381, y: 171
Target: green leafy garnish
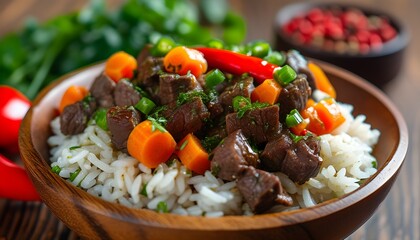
x: 190, y: 95
x: 242, y: 104
x: 374, y: 164
x: 210, y: 143
x: 157, y: 123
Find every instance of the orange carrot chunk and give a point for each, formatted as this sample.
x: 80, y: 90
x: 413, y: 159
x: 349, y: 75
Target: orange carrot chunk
x: 324, y: 116
x: 120, y: 65
x: 321, y: 80
x: 266, y: 92
x: 182, y: 60
x: 72, y: 95
x: 150, y: 145
x: 192, y: 154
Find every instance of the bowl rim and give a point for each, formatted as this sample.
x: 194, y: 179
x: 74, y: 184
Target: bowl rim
x: 270, y: 220
x: 289, y: 11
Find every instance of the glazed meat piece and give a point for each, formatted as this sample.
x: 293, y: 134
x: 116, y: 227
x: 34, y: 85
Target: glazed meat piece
x: 300, y: 65
x: 241, y: 88
x: 102, y: 90
x: 74, y: 118
x: 125, y: 94
x: 121, y: 121
x: 187, y: 118
x: 300, y: 161
x: 171, y: 85
x: 262, y: 190
x: 148, y: 70
x: 294, y: 96
x: 232, y: 157
x: 275, y: 151
x: 259, y: 125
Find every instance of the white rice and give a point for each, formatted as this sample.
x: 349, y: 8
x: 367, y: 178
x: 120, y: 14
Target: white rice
x: 117, y: 177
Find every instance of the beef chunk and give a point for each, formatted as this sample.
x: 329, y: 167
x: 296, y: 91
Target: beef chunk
x: 260, y: 125
x: 300, y: 161
x: 121, y: 121
x: 102, y: 90
x: 294, y: 96
x: 74, y: 118
x: 242, y: 88
x: 171, y: 85
x: 125, y: 94
x: 262, y: 190
x: 300, y: 65
x: 232, y: 157
x: 187, y: 118
x: 275, y: 151
x: 148, y: 70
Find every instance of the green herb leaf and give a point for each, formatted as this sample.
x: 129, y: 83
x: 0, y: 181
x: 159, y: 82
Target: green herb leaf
x: 157, y: 124
x: 143, y: 190
x: 74, y: 147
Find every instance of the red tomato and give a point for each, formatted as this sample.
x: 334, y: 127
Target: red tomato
x: 13, y: 107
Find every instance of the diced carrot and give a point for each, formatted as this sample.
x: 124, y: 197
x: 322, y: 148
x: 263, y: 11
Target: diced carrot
x: 193, y: 155
x: 321, y: 80
x: 330, y: 114
x: 150, y: 145
x: 266, y: 92
x: 323, y: 116
x: 120, y: 65
x: 71, y: 95
x: 182, y: 60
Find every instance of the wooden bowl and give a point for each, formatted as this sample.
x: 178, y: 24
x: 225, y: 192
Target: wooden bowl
x: 94, y: 218
x: 378, y: 67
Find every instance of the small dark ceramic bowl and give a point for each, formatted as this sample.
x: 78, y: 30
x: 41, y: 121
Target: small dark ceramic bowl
x: 378, y: 67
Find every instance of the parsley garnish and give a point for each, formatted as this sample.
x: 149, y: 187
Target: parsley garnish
x: 162, y: 207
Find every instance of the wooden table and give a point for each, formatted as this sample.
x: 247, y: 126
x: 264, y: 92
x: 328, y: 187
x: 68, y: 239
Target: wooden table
x: 396, y: 218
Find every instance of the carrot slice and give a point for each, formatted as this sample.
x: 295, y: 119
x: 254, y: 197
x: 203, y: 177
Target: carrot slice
x: 192, y: 154
x: 120, y: 65
x: 266, y: 92
x: 71, y: 95
x: 321, y: 80
x: 149, y: 145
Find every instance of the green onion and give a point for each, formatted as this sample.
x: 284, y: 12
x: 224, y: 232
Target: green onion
x: 162, y: 207
x: 74, y: 174
x: 293, y: 118
x: 56, y: 169
x: 162, y: 46
x: 284, y: 75
x: 239, y: 102
x: 145, y: 105
x: 74, y: 147
x: 100, y: 118
x: 216, y: 43
x: 214, y: 77
x: 260, y: 49
x: 278, y: 58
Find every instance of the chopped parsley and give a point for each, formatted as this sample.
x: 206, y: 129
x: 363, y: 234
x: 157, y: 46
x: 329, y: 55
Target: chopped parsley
x: 158, y: 123
x: 242, y: 105
x: 74, y: 147
x: 184, y: 144
x: 143, y: 190
x: 210, y: 143
x: 374, y: 164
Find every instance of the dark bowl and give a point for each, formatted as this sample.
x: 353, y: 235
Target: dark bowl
x: 378, y: 67
x: 94, y: 218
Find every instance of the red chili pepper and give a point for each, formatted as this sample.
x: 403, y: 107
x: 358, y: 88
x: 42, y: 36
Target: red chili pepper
x: 237, y: 63
x: 13, y: 107
x: 15, y: 183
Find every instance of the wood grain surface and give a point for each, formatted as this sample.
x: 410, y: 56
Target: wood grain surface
x: 398, y: 215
